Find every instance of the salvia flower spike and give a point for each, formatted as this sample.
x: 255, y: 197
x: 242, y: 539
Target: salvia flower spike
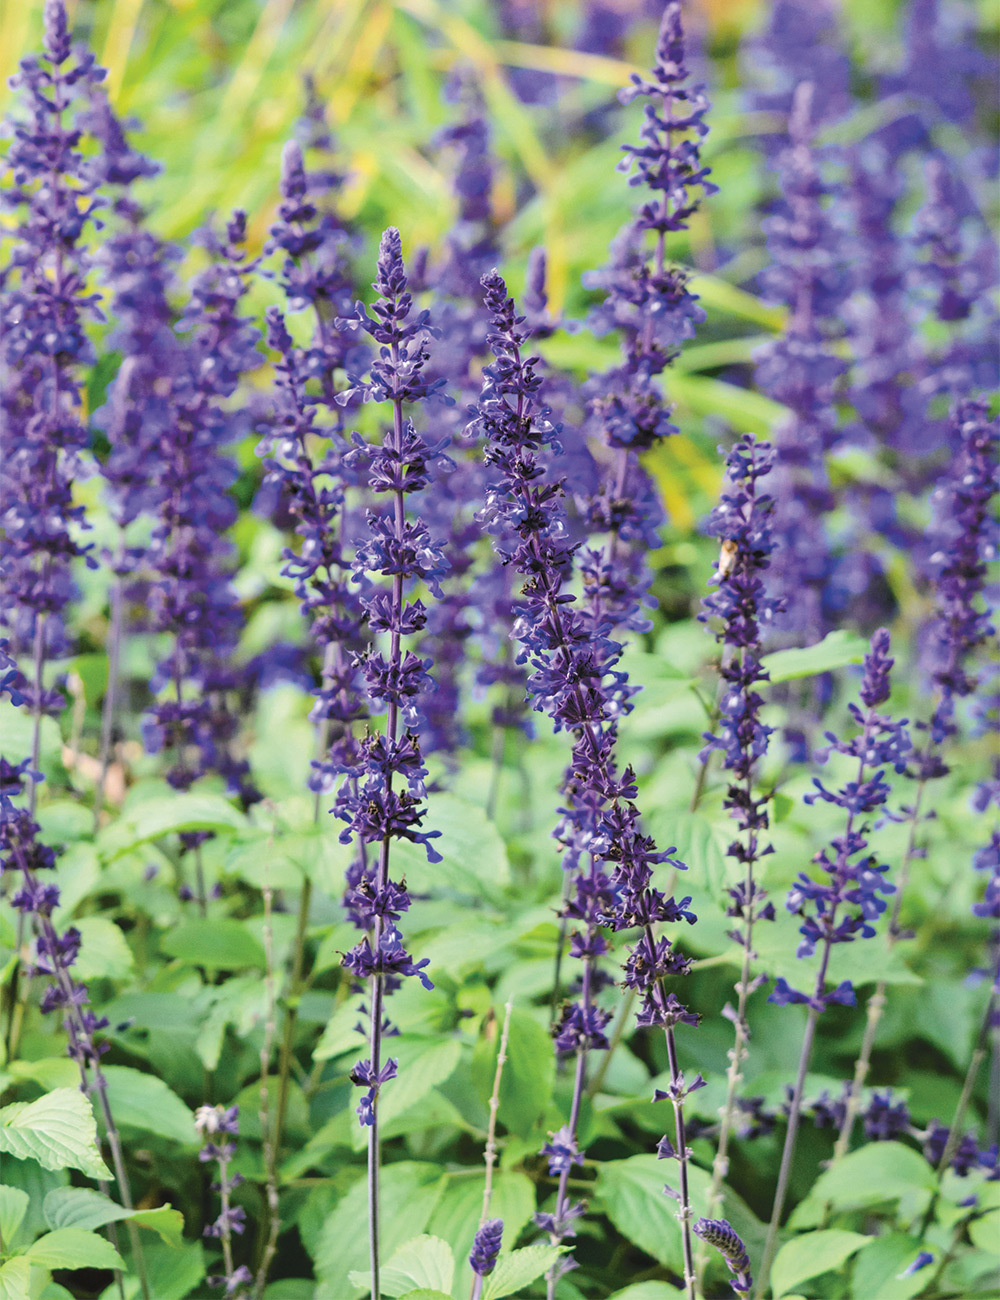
x: 526, y: 516
x: 485, y: 1249
x: 216, y: 1126
x: 719, y: 1233
x: 740, y: 612
x: 962, y: 540
x: 848, y: 906
x: 373, y: 805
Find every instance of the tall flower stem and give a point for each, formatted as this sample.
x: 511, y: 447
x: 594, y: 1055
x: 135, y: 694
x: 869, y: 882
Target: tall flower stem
x: 980, y: 1051
x: 877, y: 1001
x: 490, y: 1152
x: 109, y: 706
x: 268, y: 1128
x: 571, y: 658
x: 856, y: 882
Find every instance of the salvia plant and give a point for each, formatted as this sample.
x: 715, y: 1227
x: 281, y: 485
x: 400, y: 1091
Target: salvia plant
x: 498, y: 770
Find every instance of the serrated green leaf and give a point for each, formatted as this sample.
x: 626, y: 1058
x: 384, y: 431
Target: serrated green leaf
x: 153, y: 818
x: 14, y: 1278
x: 82, y: 1207
x: 880, y: 1171
x: 649, y: 1291
x: 836, y: 650
x: 13, y: 1207
x: 217, y: 945
x: 58, y: 1130
x: 518, y: 1268
x: 812, y: 1254
x: 879, y: 1267
x: 528, y: 1074
x: 104, y: 953
x: 457, y: 1215
x: 73, y: 1248
x: 631, y: 1194
x: 412, y: 1187
x: 423, y: 1262
x: 144, y: 1101
x: 473, y: 854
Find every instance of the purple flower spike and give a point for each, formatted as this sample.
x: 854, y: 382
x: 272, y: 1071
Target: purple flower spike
x: 799, y: 369
x: 398, y: 550
x: 718, y: 1233
x: 486, y: 1247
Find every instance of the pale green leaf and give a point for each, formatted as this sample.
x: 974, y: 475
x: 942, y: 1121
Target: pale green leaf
x: 14, y: 1278
x: 457, y: 1215
x: 517, y: 1269
x: 836, y: 650
x: 879, y: 1267
x: 13, y: 1207
x: 153, y: 818
x: 82, y: 1207
x: 811, y: 1254
x: 58, y: 1130
x: 649, y: 1291
x: 422, y: 1066
x: 144, y: 1101
x: 424, y: 1262
x: 880, y: 1171
x: 411, y: 1187
x: 104, y: 953
x: 73, y: 1248
x: 223, y: 944
x: 528, y: 1074
x: 473, y: 854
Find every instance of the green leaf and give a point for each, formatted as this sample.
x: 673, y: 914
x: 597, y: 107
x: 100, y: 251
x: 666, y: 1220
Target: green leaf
x: 422, y: 1066
x: 517, y: 1269
x: 878, y: 1267
x: 13, y: 1207
x: 144, y: 1101
x: 73, y: 1248
x: 984, y: 1232
x: 104, y: 953
x: 411, y: 1187
x: 58, y: 1130
x: 14, y: 1278
x: 881, y: 1171
x: 423, y: 1262
x: 528, y: 1075
x: 631, y: 1194
x: 424, y: 1294
x: 457, y: 1215
x: 473, y: 854
x: 82, y: 1207
x: 215, y: 944
x: 153, y: 818
x: 649, y: 1291
x: 836, y: 650
x: 811, y: 1254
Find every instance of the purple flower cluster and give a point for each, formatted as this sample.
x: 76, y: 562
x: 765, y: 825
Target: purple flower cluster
x: 526, y: 516
x: 46, y: 304
x: 215, y: 1125
x: 720, y: 1234
x: 398, y: 549
x: 486, y: 1247
x: 740, y: 611
x: 849, y: 904
x: 799, y: 368
x: 963, y: 540
x: 191, y: 596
